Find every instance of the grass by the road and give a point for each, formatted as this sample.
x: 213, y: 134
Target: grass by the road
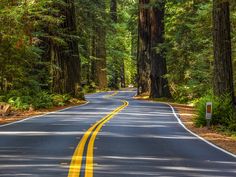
x: 188, y: 114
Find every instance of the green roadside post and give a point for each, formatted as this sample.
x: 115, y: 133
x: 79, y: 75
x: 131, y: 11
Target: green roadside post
x: 208, y: 113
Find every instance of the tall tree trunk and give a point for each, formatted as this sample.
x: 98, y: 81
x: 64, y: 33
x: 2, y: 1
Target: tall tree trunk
x: 99, y: 66
x: 144, y: 47
x: 113, y: 11
x: 159, y: 84
x: 223, y: 73
x: 93, y: 57
x: 66, y: 79
x: 115, y: 72
x: 122, y: 74
x: 57, y: 72
x: 100, y: 62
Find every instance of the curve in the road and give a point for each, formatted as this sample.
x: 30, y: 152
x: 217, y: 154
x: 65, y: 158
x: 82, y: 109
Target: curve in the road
x: 89, y: 137
x: 194, y: 134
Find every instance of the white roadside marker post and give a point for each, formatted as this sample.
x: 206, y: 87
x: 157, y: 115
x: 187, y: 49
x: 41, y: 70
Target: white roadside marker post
x: 208, y: 113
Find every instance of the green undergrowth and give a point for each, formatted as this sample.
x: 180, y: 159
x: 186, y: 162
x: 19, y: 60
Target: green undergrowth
x: 223, y: 116
x: 26, y: 99
x: 227, y: 131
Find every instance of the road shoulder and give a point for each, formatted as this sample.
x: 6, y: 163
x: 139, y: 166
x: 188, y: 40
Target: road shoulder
x: 187, y: 115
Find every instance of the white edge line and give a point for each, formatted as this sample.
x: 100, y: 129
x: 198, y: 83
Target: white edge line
x: 33, y: 117
x: 201, y: 138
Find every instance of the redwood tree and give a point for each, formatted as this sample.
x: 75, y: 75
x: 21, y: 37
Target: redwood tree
x: 223, y: 73
x: 99, y: 67
x: 66, y: 76
x: 116, y: 73
x: 159, y: 84
x: 144, y: 47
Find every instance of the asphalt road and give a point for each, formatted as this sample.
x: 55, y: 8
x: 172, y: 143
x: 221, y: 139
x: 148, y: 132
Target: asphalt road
x: 142, y: 139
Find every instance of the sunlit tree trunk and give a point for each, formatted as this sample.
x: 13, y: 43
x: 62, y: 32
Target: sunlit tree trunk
x: 223, y: 73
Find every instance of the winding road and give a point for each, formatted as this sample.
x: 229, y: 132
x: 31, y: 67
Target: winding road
x: 111, y: 136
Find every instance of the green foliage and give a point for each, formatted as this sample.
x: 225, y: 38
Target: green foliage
x: 223, y: 112
x: 119, y: 45
x: 42, y: 100
x: 22, y: 103
x: 189, y: 48
x: 118, y: 39
x: 60, y: 100
x: 25, y: 98
x: 23, y: 26
x: 91, y: 88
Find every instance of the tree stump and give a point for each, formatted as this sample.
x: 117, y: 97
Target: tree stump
x: 5, y: 109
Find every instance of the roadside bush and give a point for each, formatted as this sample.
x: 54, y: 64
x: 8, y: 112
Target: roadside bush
x: 20, y: 93
x: 223, y: 112
x: 42, y: 100
x: 181, y: 94
x: 24, y: 99
x: 232, y: 126
x: 91, y: 88
x: 60, y: 100
x: 22, y: 103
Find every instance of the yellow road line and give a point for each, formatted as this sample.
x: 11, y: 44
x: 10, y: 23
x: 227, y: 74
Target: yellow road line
x: 90, y: 151
x: 77, y: 158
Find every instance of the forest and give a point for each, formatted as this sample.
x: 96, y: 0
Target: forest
x: 180, y: 50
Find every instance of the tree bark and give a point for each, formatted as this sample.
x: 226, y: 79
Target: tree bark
x: 99, y: 66
x: 223, y: 72
x: 122, y: 74
x: 114, y: 81
x: 93, y: 57
x: 143, y: 60
x: 100, y: 61
x: 159, y: 84
x: 66, y: 78
x: 119, y: 75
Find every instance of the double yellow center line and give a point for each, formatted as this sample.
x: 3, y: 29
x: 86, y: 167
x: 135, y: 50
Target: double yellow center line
x: 89, y: 138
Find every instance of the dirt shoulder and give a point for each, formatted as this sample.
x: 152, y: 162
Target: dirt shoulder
x: 187, y: 115
x: 20, y: 115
